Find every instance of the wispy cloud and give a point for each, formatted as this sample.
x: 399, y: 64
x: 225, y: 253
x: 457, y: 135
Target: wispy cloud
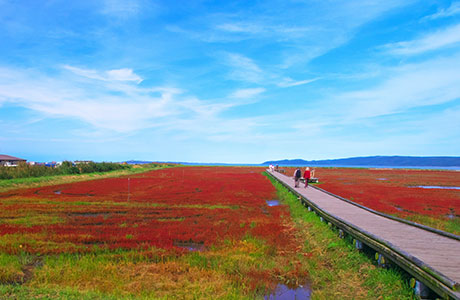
x: 243, y: 68
x: 124, y: 74
x: 446, y: 37
x: 130, y: 109
x: 121, y: 8
x: 288, y: 82
x: 240, y: 27
x: 119, y: 108
x: 247, y: 93
x: 432, y: 82
x: 316, y: 30
x: 262, y: 29
x: 452, y: 10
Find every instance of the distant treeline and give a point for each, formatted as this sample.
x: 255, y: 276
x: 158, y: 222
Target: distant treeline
x: 24, y: 170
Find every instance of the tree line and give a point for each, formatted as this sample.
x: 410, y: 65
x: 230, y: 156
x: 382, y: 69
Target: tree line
x: 24, y: 170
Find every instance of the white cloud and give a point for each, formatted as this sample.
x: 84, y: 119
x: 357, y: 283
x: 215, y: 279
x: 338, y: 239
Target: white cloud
x: 110, y: 75
x: 60, y: 97
x: 414, y: 85
x: 121, y: 8
x: 437, y: 40
x: 243, y: 68
x: 262, y: 29
x: 123, y: 75
x: 130, y: 109
x: 452, y: 10
x: 240, y: 27
x: 288, y: 82
x: 247, y: 93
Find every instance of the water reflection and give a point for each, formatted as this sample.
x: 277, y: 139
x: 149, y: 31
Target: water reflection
x: 190, y: 245
x: 273, y: 202
x: 283, y: 292
x: 436, y: 187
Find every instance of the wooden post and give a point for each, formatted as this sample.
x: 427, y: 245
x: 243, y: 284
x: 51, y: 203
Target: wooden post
x: 420, y: 289
x: 341, y: 234
x: 129, y: 192
x: 381, y: 261
x: 358, y: 244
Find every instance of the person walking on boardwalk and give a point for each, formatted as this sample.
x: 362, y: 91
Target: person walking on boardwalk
x: 306, y: 176
x: 297, y: 175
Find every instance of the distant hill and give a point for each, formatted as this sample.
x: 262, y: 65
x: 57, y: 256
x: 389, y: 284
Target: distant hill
x: 403, y: 161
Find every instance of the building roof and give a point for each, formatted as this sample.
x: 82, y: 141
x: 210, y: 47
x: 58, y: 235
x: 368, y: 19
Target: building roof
x: 8, y: 157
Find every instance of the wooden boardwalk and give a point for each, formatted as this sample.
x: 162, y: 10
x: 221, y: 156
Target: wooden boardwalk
x: 430, y: 257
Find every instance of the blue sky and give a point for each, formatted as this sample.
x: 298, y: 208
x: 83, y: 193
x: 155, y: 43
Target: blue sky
x: 228, y: 81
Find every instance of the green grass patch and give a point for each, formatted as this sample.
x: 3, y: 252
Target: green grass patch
x: 445, y: 224
x: 453, y: 226
x: 10, y: 268
x: 29, y: 182
x: 33, y: 220
x: 18, y: 292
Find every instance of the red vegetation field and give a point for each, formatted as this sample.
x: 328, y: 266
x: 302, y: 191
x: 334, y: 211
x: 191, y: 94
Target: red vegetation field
x: 395, y: 191
x: 170, y: 209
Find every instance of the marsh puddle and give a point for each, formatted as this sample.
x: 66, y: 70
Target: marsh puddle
x: 382, y: 178
x: 451, y: 216
x: 59, y: 192
x: 436, y: 187
x: 273, y: 202
x: 283, y: 292
x: 190, y: 245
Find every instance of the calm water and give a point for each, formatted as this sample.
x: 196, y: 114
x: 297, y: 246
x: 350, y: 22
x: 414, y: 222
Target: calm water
x: 190, y: 245
x: 273, y: 202
x: 283, y: 292
x: 437, y: 187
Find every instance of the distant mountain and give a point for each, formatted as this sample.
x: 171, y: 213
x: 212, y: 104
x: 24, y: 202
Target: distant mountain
x: 409, y: 161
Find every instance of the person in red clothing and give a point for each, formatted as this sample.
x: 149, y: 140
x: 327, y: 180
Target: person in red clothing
x: 306, y: 176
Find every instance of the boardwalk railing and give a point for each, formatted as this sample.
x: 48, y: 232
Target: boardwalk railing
x: 424, y: 274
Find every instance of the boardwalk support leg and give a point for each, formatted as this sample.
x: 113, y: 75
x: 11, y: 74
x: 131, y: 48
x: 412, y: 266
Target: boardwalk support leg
x: 381, y: 261
x: 341, y: 234
x: 309, y: 208
x: 420, y: 289
x: 358, y: 244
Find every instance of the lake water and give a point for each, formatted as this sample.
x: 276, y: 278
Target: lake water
x: 436, y: 187
x: 273, y: 202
